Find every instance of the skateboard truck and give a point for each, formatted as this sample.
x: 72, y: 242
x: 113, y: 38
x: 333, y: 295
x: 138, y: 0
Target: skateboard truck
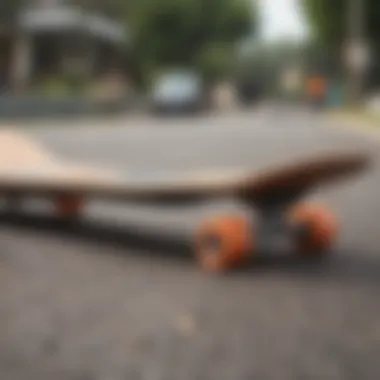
x: 276, y: 232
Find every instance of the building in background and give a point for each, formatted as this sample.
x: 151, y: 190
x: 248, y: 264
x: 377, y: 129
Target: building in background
x: 55, y: 39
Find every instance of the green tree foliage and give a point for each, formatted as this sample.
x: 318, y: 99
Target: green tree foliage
x: 190, y: 33
x: 195, y: 33
x: 215, y: 60
x: 328, y: 20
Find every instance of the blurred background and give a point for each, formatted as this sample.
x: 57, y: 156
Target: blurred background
x: 112, y: 297
x: 119, y: 54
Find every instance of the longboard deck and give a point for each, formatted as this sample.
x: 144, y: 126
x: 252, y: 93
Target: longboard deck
x: 28, y: 168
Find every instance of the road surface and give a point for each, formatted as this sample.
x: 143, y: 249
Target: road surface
x: 103, y: 303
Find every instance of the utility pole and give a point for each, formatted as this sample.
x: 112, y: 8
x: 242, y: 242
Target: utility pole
x: 357, y: 50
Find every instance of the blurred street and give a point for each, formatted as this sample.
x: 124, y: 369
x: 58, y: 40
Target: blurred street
x: 100, y: 303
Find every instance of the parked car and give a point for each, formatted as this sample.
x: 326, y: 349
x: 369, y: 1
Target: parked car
x: 178, y: 92
x: 249, y: 93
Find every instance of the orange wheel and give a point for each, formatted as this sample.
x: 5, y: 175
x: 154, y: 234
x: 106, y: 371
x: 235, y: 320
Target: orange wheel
x: 68, y: 206
x: 223, y: 243
x: 321, y: 228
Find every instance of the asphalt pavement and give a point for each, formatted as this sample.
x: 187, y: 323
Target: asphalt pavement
x: 120, y: 297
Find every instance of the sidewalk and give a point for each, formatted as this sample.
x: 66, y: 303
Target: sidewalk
x: 356, y: 120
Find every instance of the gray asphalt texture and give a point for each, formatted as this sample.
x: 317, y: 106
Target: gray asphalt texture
x: 103, y: 301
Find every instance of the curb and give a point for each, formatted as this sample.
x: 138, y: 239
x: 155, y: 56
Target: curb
x: 353, y: 122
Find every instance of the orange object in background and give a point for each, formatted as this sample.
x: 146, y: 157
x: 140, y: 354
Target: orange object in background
x: 316, y: 87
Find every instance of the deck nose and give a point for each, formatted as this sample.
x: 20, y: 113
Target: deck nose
x: 18, y: 149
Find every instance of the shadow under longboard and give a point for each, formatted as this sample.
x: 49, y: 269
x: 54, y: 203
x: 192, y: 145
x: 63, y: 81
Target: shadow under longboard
x: 127, y: 236
x: 343, y: 266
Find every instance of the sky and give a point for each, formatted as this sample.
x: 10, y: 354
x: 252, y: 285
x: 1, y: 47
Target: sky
x: 281, y: 18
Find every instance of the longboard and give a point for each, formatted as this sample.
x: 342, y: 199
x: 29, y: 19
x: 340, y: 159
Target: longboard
x: 274, y: 193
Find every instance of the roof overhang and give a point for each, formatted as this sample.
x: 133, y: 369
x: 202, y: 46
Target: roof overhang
x: 65, y: 19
